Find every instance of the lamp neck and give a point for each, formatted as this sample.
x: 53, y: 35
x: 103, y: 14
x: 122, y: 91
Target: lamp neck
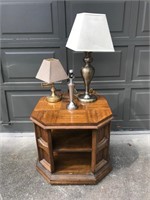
x: 52, y: 90
x: 88, y: 59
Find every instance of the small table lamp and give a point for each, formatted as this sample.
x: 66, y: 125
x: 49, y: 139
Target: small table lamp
x: 51, y: 71
x: 90, y: 33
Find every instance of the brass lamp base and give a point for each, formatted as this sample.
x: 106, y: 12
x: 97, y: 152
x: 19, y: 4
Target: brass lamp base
x: 87, y: 98
x: 53, y: 98
x: 87, y: 73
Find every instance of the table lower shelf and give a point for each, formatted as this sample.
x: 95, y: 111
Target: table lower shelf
x: 71, y: 176
x: 72, y: 163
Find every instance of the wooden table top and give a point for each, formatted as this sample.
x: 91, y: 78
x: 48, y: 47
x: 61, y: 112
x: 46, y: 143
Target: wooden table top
x: 56, y: 116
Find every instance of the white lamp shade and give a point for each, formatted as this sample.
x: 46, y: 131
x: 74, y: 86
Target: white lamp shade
x: 51, y: 71
x: 90, y: 33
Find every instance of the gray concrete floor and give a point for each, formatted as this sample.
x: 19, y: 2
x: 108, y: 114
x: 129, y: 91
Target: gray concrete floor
x: 129, y: 180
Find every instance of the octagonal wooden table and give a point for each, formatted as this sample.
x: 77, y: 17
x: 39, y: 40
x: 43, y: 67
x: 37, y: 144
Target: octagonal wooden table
x: 73, y: 145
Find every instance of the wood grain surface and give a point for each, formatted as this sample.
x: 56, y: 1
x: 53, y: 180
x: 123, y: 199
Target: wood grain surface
x: 52, y: 115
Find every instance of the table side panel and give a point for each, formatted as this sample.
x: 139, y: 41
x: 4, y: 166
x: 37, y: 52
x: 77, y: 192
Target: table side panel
x: 44, y: 147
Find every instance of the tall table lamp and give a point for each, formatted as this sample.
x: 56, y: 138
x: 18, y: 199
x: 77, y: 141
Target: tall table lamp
x: 51, y: 71
x: 89, y: 33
